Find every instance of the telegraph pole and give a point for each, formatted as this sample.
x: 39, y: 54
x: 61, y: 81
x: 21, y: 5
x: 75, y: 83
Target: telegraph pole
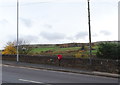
x: 17, y: 31
x: 90, y: 48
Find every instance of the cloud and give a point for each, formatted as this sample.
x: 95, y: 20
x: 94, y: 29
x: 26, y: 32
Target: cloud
x: 81, y: 35
x: 29, y: 38
x: 70, y: 38
x: 48, y: 26
x: 43, y: 1
x: 105, y: 32
x: 94, y: 35
x: 52, y: 36
x: 3, y: 21
x: 26, y: 22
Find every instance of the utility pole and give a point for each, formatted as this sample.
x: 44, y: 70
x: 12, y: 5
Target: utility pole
x: 17, y: 31
x: 90, y: 48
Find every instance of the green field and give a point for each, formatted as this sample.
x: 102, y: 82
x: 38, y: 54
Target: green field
x: 54, y: 50
x: 42, y: 49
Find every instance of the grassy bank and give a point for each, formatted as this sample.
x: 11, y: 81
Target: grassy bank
x: 55, y: 50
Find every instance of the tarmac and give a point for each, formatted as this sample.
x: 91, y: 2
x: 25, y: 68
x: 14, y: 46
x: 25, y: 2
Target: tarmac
x: 58, y: 68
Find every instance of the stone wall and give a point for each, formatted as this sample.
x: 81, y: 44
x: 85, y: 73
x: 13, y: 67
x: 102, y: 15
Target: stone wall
x: 104, y: 65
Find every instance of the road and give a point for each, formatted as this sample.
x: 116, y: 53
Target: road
x: 13, y: 74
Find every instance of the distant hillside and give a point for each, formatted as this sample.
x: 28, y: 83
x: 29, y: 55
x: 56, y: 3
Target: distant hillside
x: 64, y: 45
x: 106, y: 41
x: 66, y: 49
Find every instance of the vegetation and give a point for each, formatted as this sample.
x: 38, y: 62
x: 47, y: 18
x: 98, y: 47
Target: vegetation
x: 77, y: 52
x: 82, y: 54
x: 108, y: 50
x: 55, y: 50
x: 9, y: 49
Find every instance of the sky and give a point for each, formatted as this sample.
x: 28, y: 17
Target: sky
x: 58, y: 21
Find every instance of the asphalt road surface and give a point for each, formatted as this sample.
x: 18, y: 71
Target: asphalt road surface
x: 13, y: 74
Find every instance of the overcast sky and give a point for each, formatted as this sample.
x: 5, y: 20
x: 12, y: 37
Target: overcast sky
x: 58, y: 21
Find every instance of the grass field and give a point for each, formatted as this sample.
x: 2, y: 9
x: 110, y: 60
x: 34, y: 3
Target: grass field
x: 43, y: 49
x: 55, y: 50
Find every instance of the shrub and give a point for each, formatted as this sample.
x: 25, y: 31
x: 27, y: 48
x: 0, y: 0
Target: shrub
x: 81, y: 54
x: 108, y: 50
x: 9, y: 49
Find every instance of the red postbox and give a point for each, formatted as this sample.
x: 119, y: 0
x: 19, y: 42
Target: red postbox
x: 59, y: 57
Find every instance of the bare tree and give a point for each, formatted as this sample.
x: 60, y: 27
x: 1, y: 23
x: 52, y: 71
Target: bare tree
x: 24, y: 46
